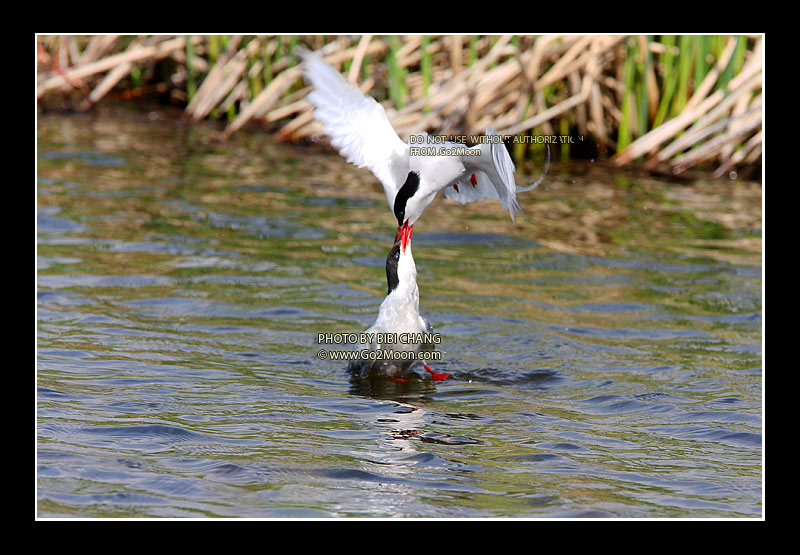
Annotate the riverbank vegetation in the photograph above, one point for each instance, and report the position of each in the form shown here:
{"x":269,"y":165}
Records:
{"x":666,"y":102}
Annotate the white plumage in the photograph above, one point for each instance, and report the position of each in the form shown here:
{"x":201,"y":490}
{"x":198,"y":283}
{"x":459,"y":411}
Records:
{"x":398,"y":314}
{"x":361,"y":132}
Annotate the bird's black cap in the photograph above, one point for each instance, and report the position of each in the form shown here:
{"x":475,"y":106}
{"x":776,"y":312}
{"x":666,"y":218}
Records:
{"x":391,"y":267}
{"x":406,"y":192}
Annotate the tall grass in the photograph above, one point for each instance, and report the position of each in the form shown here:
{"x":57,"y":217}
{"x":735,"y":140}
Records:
{"x":397,"y":74}
{"x":629,"y":92}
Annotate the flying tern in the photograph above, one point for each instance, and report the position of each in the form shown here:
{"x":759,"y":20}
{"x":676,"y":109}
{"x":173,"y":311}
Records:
{"x":412,"y":173}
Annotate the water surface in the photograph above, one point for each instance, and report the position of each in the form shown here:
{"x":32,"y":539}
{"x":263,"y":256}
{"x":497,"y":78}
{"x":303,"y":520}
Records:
{"x":605,"y":348}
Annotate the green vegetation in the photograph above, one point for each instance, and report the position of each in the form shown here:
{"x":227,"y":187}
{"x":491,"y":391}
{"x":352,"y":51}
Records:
{"x":671,"y":101}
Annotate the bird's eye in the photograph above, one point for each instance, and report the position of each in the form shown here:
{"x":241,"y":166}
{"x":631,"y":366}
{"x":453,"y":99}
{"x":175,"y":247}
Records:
{"x":397,"y":255}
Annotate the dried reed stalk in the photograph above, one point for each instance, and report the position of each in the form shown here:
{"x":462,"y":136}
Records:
{"x":155,"y":52}
{"x":458,"y":84}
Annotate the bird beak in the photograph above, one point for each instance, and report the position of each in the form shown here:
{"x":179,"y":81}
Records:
{"x":405,"y":234}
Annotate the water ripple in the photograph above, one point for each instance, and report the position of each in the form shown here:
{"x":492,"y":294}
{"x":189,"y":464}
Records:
{"x":181,"y":285}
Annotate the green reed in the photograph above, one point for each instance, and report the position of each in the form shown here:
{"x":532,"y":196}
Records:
{"x":681,"y":65}
{"x":191,"y":78}
{"x":658,"y":73}
{"x":425,"y":69}
{"x":397,"y":87}
{"x":624,"y":135}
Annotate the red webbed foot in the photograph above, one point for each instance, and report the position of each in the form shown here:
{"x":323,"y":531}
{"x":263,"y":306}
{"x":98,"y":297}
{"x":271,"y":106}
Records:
{"x":437,"y":377}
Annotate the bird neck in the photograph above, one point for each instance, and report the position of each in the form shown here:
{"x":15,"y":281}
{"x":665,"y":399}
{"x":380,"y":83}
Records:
{"x":406,"y":293}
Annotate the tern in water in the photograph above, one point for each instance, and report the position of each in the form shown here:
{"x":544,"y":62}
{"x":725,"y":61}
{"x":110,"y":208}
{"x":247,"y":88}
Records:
{"x":411,"y":177}
{"x":398,"y":314}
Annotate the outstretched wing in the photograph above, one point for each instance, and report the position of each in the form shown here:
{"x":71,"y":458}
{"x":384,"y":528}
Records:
{"x":467,"y":192}
{"x":502,"y":187}
{"x":356,"y":123}
{"x":507,"y":188}
{"x":493,"y":178}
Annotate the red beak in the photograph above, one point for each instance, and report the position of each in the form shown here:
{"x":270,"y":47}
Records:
{"x":405,"y":234}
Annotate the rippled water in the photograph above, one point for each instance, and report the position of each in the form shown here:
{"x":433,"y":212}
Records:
{"x":605,"y":349}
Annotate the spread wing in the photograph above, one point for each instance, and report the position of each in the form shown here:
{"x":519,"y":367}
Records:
{"x":507,"y":188}
{"x":467,"y":192}
{"x":502,"y":187}
{"x":357,"y":124}
{"x":498,"y":183}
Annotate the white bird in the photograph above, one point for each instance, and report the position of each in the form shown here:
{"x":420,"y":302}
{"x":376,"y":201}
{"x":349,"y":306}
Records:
{"x":398,"y":314}
{"x":411,"y":176}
